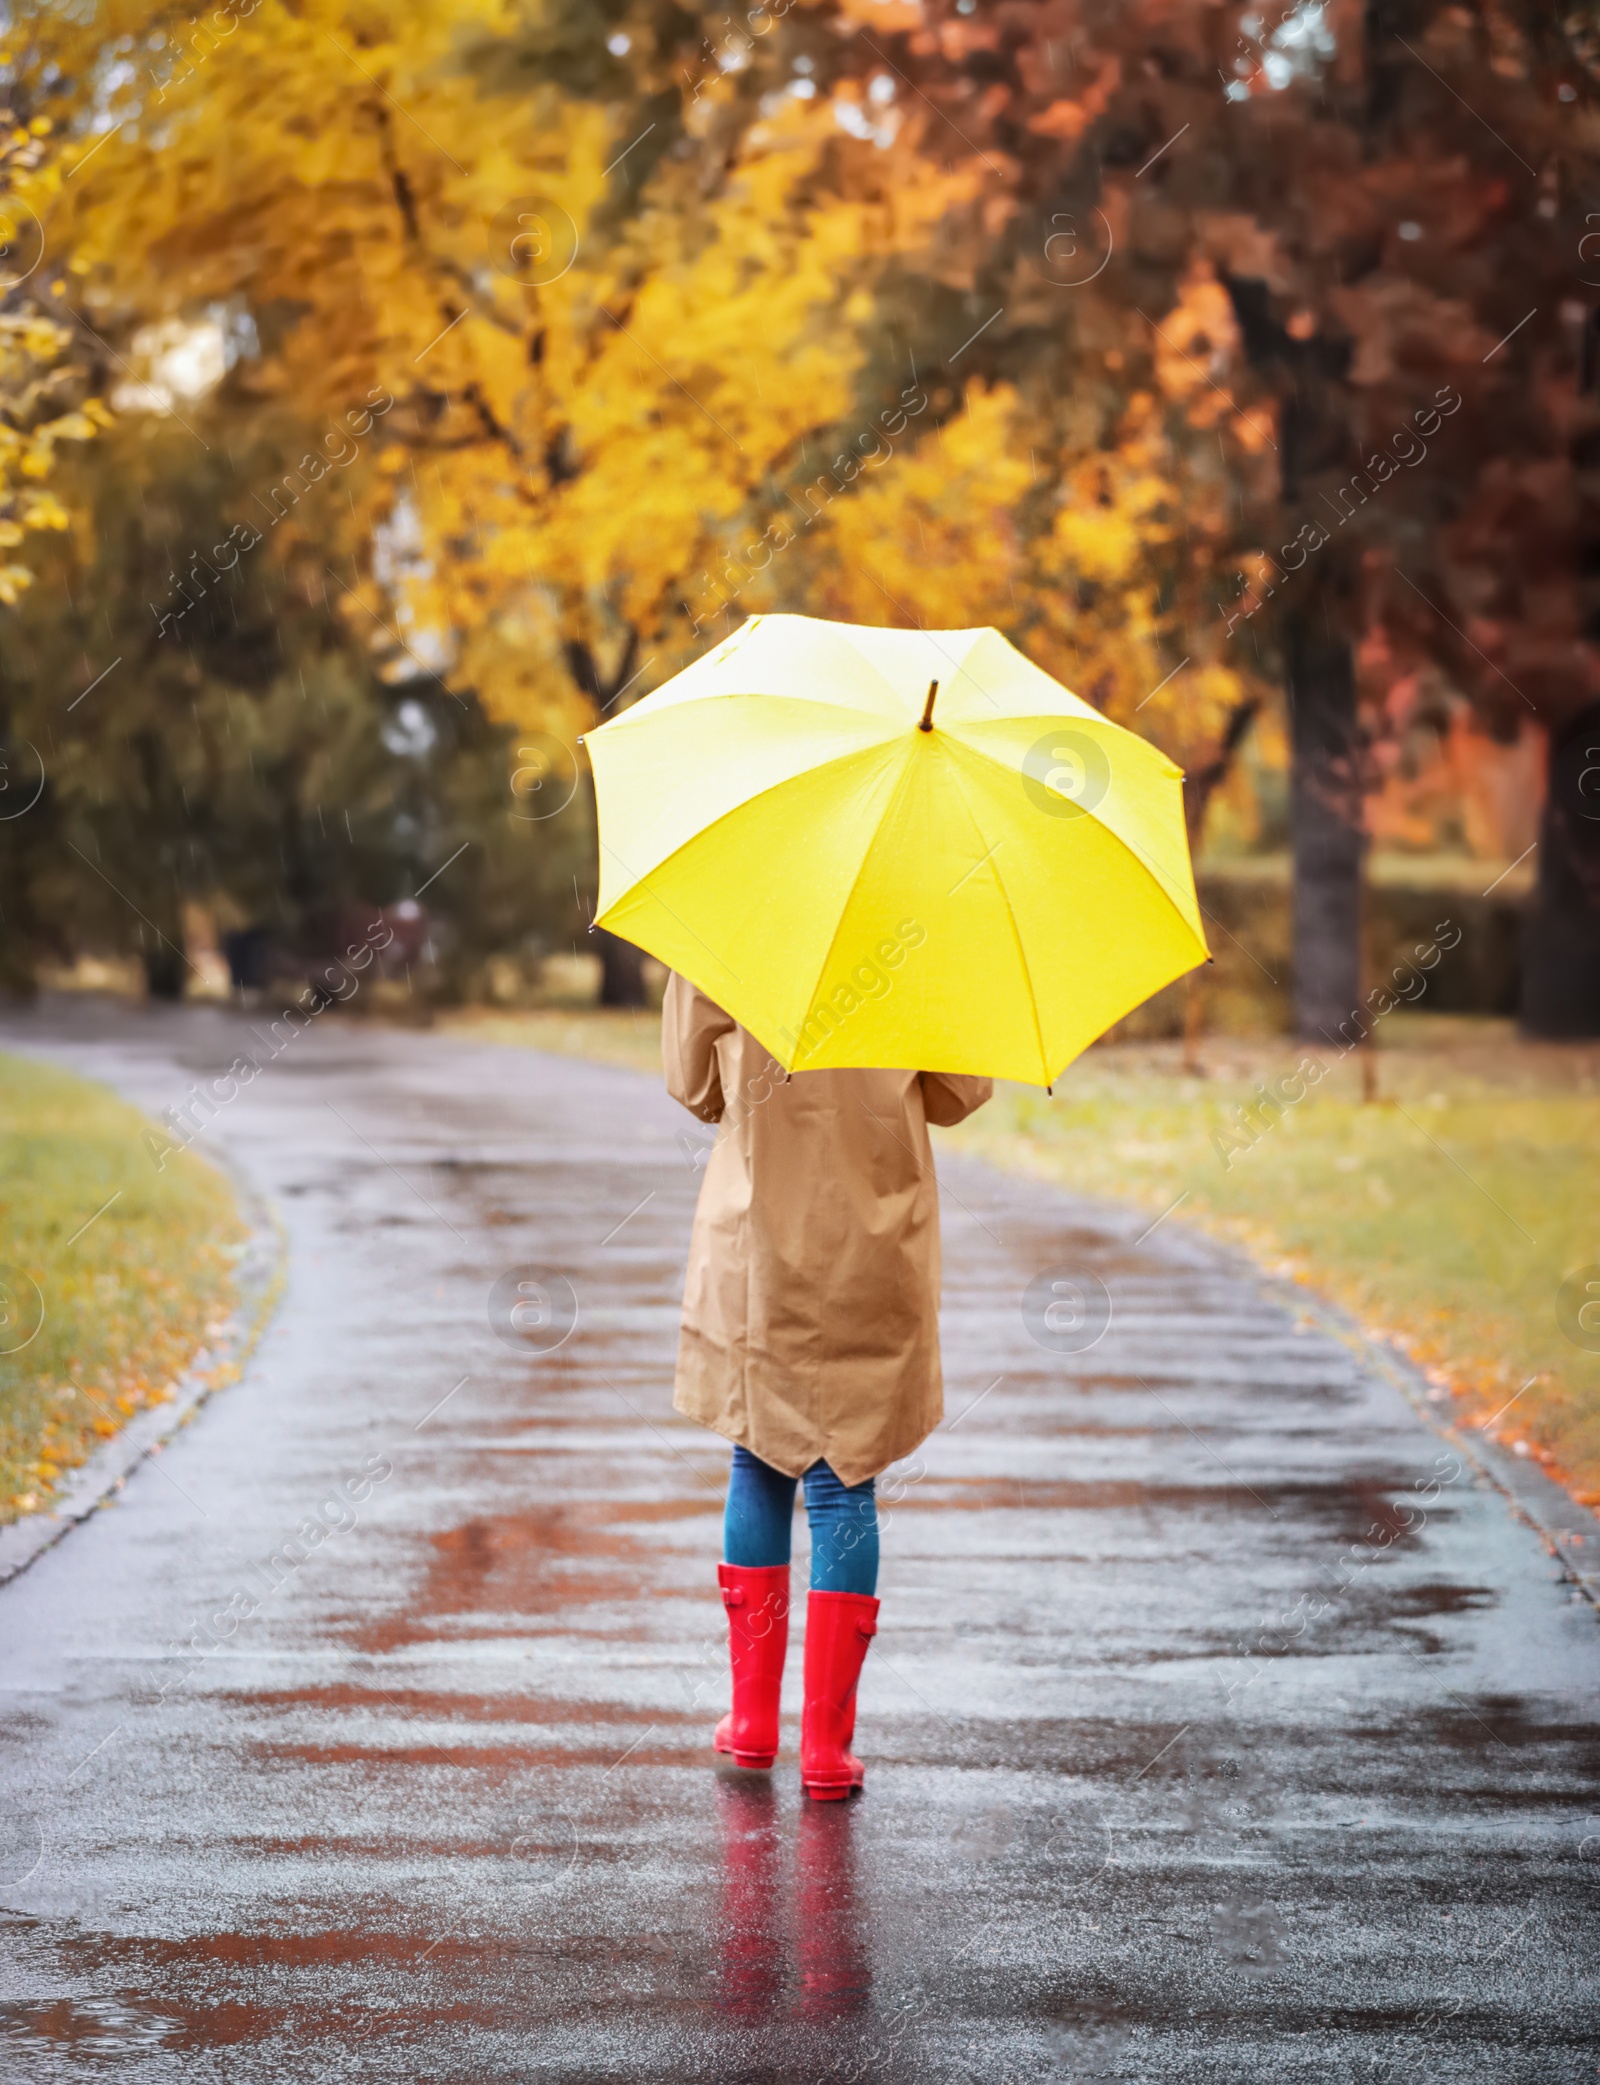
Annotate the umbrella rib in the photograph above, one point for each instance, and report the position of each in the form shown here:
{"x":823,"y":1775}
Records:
{"x":1149,"y":869}
{"x":1110,"y":831}
{"x":855,"y":885}
{"x":641,"y":877}
{"x":1016,"y":931}
{"x":643,"y":883}
{"x":1121,"y":840}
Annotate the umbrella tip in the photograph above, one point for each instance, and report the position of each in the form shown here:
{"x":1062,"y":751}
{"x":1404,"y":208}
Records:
{"x":927,"y":714}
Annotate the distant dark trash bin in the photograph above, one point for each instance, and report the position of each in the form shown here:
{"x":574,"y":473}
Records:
{"x":248,"y":950}
{"x":163,"y":972}
{"x":621,"y":970}
{"x":1561,"y":947}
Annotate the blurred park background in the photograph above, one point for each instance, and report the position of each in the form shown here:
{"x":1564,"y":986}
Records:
{"x":388,"y":394}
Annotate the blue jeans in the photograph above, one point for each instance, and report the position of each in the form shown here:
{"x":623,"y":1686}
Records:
{"x":844,"y":1524}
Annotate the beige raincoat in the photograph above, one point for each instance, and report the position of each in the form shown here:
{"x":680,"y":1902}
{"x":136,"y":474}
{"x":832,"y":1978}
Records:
{"x":811,"y":1306}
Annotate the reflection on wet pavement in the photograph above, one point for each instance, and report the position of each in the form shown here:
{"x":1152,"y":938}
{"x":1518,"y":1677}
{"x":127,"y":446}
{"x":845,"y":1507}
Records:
{"x":752,"y":1968}
{"x":1220,"y":1726}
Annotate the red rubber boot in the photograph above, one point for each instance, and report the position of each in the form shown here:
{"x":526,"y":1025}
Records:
{"x":839,"y":1626}
{"x":757,"y":1599}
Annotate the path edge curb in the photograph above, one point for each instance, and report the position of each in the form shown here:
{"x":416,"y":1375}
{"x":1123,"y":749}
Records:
{"x":260,"y":1277}
{"x":1569,"y":1530}
{"x":1534,"y":1498}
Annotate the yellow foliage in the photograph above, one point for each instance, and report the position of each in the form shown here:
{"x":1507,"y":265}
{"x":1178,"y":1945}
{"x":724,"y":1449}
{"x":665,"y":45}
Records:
{"x":589,"y":423}
{"x":34,"y":363}
{"x":563,"y":453}
{"x":929,"y":537}
{"x":1000,"y":518}
{"x":1195,"y":344}
{"x":37,"y":363}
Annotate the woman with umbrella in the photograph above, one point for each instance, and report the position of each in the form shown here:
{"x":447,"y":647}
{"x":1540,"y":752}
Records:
{"x":810,"y":1340}
{"x":885,"y":867}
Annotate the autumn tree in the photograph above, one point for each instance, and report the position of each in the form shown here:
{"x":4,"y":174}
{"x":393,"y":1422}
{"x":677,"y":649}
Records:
{"x":1174,"y":338}
{"x":246,"y":756}
{"x":47,"y":399}
{"x":1390,"y":198}
{"x":532,"y":309}
{"x":611,"y":288}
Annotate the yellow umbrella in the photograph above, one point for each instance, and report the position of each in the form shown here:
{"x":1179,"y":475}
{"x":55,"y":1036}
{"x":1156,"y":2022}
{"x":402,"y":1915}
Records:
{"x":900,"y":848}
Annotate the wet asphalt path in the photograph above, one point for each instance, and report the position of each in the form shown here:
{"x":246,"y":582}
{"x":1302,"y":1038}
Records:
{"x":430,"y":1796}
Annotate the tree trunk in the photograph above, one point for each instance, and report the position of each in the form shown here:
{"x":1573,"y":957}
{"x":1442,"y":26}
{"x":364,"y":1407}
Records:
{"x":621,"y":970}
{"x":1200,"y":784}
{"x":1325,"y":810}
{"x":28,"y":842}
{"x":1561,"y":944}
{"x":1318,"y":446}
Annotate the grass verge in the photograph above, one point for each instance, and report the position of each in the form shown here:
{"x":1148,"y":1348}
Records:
{"x":111,"y":1273}
{"x":607,"y":1035}
{"x":1445,"y":1214}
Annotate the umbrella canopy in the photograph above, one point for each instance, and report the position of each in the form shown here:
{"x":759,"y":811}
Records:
{"x":898,"y":848}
